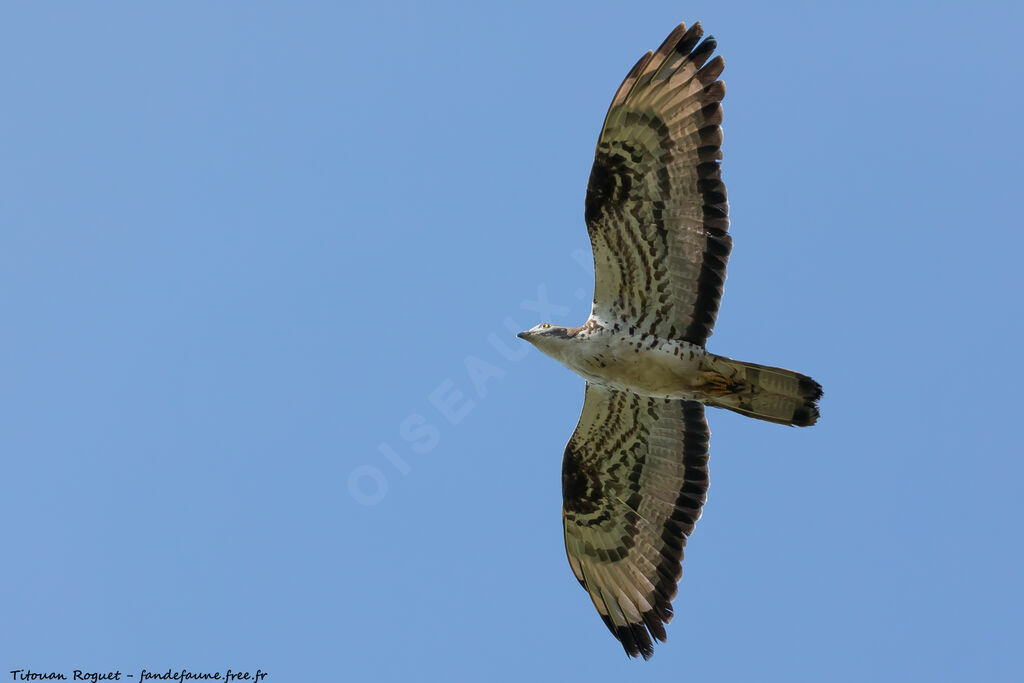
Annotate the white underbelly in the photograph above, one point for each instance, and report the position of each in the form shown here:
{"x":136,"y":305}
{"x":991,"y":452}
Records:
{"x":668,"y":370}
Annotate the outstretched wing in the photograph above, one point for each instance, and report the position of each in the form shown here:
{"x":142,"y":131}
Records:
{"x":656,"y":208}
{"x":634,"y":478}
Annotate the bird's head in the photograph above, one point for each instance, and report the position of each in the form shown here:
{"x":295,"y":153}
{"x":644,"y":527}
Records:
{"x":545,"y":336}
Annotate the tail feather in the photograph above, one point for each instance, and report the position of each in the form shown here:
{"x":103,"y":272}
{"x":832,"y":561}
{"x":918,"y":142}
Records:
{"x":766,"y":393}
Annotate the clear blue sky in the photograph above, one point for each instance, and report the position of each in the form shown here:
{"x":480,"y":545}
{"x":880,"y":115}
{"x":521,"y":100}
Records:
{"x":262,"y":406}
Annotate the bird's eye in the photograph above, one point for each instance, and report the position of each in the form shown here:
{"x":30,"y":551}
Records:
{"x":546,"y":326}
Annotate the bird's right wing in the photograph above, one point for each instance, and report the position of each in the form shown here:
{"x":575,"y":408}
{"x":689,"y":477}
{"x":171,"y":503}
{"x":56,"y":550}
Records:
{"x":634,"y":478}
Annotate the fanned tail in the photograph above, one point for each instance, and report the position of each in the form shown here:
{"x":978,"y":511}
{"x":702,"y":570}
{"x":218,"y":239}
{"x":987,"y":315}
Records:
{"x":763,"y":392}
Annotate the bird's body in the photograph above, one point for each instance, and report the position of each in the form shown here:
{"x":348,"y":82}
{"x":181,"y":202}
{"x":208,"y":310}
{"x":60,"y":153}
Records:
{"x":644,"y":364}
{"x":675,"y":369}
{"x":634,"y":473}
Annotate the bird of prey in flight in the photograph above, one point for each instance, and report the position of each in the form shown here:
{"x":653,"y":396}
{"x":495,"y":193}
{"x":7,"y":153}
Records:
{"x":635,"y":471}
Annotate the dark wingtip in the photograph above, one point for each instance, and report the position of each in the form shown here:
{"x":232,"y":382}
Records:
{"x":690,"y":39}
{"x":654,"y":624}
{"x":635,"y":640}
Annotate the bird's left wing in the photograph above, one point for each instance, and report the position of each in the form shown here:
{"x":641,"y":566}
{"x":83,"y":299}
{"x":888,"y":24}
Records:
{"x":634,"y":479}
{"x":656,"y":205}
